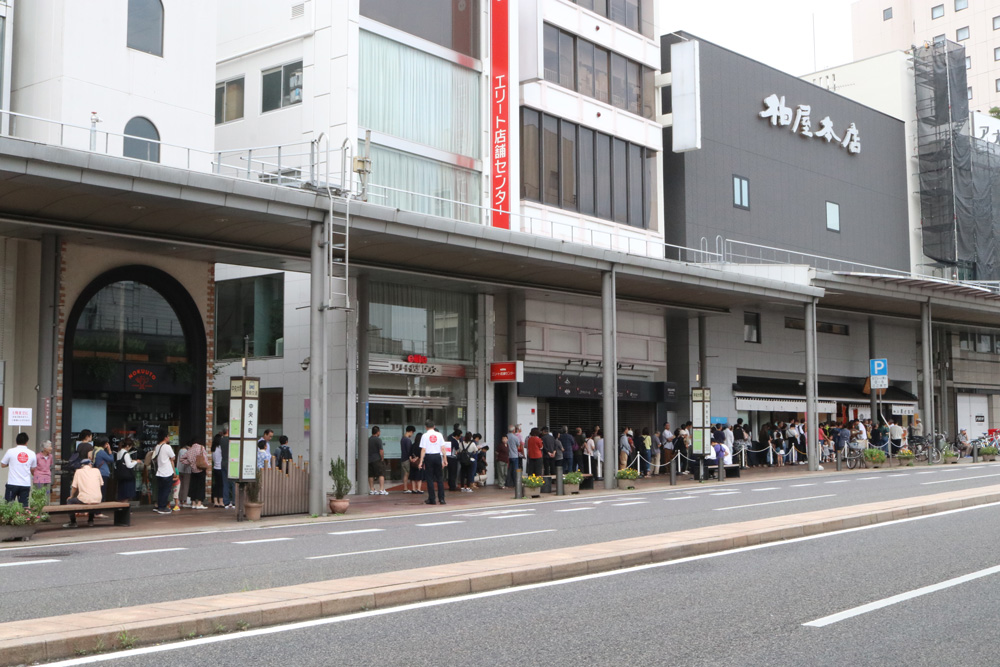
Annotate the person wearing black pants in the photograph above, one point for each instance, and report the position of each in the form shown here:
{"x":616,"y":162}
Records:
{"x":432,"y":463}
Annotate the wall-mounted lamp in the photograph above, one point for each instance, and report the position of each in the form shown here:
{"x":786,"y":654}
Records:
{"x":305,"y":364}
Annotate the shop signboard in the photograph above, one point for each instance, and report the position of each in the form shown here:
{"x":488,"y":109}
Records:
{"x":701,"y":419}
{"x":507,"y":371}
{"x":19,"y":416}
{"x":502,"y":96}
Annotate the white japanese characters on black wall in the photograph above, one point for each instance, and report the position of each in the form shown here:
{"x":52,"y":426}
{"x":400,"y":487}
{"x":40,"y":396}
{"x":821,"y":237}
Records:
{"x":800,"y":120}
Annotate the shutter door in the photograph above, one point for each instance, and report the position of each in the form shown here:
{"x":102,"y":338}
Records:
{"x":587,"y":414}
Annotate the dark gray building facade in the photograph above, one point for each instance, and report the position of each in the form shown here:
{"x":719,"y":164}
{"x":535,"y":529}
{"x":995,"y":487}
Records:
{"x":770,"y":172}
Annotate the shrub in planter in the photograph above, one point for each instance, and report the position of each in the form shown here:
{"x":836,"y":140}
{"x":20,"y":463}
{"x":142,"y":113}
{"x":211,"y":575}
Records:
{"x":341,"y":486}
{"x":875,"y":456}
{"x":627,"y":473}
{"x":573,"y":478}
{"x":532,"y":482}
{"x":989,"y":452}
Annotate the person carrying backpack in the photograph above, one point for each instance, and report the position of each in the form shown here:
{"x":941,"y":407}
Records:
{"x":284,"y":453}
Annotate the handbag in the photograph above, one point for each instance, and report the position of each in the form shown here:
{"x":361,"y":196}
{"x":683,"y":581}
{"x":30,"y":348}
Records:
{"x":200,"y":461}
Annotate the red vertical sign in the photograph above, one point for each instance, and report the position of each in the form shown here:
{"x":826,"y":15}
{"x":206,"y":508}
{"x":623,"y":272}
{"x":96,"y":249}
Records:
{"x":501,"y":92}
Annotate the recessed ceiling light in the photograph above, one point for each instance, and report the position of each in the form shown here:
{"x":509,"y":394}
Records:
{"x":137,"y":207}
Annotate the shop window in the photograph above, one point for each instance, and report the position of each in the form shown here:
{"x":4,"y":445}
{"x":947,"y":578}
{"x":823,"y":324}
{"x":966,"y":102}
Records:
{"x":833,"y":216}
{"x":887,"y":13}
{"x":453,"y":25}
{"x":741,"y":192}
{"x":145,"y":26}
{"x":141,"y":141}
{"x":253,"y":307}
{"x":281,"y":86}
{"x":229,"y":100}
{"x":405,"y":320}
{"x":937,"y":11}
{"x":751,"y":327}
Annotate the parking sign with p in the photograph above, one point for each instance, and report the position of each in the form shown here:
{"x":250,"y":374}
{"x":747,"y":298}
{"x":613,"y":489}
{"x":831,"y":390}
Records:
{"x":878,"y":367}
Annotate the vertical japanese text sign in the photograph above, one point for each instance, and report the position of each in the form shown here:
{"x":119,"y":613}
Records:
{"x":501,"y":97}
{"x":244,"y":398}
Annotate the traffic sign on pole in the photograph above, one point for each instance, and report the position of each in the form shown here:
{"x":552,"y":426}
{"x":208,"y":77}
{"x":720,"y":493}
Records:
{"x":878,"y":367}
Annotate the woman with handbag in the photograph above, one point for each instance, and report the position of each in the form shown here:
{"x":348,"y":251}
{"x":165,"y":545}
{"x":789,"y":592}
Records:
{"x":197,"y":458}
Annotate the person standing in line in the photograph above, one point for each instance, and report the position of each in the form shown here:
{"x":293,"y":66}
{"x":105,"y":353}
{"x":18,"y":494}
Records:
{"x":514,"y":451}
{"x":221,"y":442}
{"x":21,"y":462}
{"x":579,"y":458}
{"x":405,"y":445}
{"x":730,"y":439}
{"x":667,"y":445}
{"x":895,"y":436}
{"x":125,"y":472}
{"x":217,"y":477}
{"x":283,"y":457}
{"x":184,"y":472}
{"x":624,"y":448}
{"x":466,"y":461}
{"x":589,"y":454}
{"x":104,"y":462}
{"x":654,"y":454}
{"x":376,"y":464}
{"x":41,"y":476}
{"x":503,"y":462}
{"x":197,"y":461}
{"x":416,"y":474}
{"x":163,"y":456}
{"x":549,"y":452}
{"x":568,"y":443}
{"x":599,"y":450}
{"x":643,"y":451}
{"x":536,"y":451}
{"x":682,"y":440}
{"x":432,"y":462}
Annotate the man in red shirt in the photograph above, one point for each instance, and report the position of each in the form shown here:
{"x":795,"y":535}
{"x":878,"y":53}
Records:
{"x":534,"y":453}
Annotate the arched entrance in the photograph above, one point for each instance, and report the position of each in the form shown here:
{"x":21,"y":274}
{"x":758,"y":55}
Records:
{"x":135,"y":360}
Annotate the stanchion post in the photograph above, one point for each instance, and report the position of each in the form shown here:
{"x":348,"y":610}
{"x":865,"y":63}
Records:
{"x":559,"y":480}
{"x":673,"y":469}
{"x":518,"y":491}
{"x":722,"y":469}
{"x":839,"y":455}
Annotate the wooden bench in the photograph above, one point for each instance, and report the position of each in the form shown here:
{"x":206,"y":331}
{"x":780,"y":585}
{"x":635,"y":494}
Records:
{"x":123,"y":511}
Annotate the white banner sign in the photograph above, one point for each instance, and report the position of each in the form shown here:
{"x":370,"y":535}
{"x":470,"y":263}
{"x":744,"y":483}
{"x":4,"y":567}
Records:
{"x":19,"y":416}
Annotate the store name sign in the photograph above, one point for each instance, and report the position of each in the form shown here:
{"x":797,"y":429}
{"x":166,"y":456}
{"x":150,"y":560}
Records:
{"x":507,"y":371}
{"x":799,"y":121}
{"x":142,"y":379}
{"x":414,"y":369}
{"x":500,"y":103}
{"x":416,"y":359}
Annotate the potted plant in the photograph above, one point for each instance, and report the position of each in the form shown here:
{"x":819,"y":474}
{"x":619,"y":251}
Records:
{"x":135,"y":350}
{"x":874,"y":457}
{"x":534,"y":484}
{"x":176,"y":352}
{"x":949,"y":455}
{"x":18,"y":522}
{"x":905,"y":457}
{"x":989,"y":453}
{"x":571,"y":482}
{"x":341,"y":486}
{"x":627,"y":478}
{"x":253,"y":505}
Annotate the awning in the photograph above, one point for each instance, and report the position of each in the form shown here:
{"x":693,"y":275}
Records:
{"x":782,"y":395}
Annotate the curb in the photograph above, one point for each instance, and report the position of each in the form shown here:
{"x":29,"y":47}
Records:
{"x":116,"y":629}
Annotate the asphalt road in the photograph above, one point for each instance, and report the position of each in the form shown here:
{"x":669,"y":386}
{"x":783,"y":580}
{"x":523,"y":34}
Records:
{"x":799,"y":602}
{"x":70,"y":578}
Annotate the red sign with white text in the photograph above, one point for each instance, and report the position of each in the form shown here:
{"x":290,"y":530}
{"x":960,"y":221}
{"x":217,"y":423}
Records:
{"x":501,"y":93}
{"x":507,"y":371}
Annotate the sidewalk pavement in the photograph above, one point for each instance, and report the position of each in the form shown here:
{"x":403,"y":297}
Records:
{"x":146,"y":523}
{"x":65,"y":636}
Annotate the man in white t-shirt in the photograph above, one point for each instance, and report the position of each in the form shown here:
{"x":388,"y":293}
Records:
{"x":433,"y":461}
{"x":21,"y":462}
{"x":164,"y":457}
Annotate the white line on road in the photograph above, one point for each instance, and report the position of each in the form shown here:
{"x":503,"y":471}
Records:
{"x":837,"y":481}
{"x":773,"y":502}
{"x":497,"y":512}
{"x":576,"y":509}
{"x":511,"y":516}
{"x":30,"y":562}
{"x":360,"y":530}
{"x":902,"y":597}
{"x":636,"y":502}
{"x":680,"y":498}
{"x":270,"y":539}
{"x":798,"y":485}
{"x":959,"y":479}
{"x":766,"y":488}
{"x":928,"y":472}
{"x":438,"y":523}
{"x":430,"y":544}
{"x":725,"y":493}
{"x":151,"y":551}
{"x":331,"y":620}
{"x":864,"y":478}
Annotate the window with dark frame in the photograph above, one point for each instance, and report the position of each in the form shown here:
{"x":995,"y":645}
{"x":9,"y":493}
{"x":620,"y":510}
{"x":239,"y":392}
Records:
{"x":887,"y":13}
{"x":834,"y":328}
{"x":145,"y":26}
{"x":580,"y":169}
{"x":996,"y":22}
{"x":939,"y":40}
{"x":751,"y":327}
{"x":937,"y":11}
{"x":832,"y":216}
{"x":961,"y":4}
{"x":741,"y":192}
{"x":281,"y":86}
{"x":626,"y":13}
{"x":141,"y":140}
{"x":229,"y":100}
{"x":962,"y":34}
{"x":251,"y":307}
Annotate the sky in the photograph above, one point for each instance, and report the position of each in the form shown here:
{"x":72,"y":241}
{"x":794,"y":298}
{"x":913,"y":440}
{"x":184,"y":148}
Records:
{"x":777,"y":32}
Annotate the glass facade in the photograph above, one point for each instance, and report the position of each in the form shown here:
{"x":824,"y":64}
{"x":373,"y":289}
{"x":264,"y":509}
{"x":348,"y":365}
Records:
{"x":413,"y":183}
{"x":453,"y":24}
{"x":253,"y":307}
{"x":406,"y":320}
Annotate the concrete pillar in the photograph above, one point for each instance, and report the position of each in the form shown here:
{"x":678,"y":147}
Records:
{"x":873,"y":396}
{"x":702,"y":351}
{"x":927,"y":392}
{"x":317,"y":367}
{"x":363,"y":427}
{"x":812,"y":442}
{"x":609,"y":336}
{"x":944,"y":354}
{"x":48,"y":321}
{"x":515,"y":303}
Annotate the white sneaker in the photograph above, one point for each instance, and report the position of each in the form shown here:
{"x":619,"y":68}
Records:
{"x":373,"y":492}
{"x":819,"y":467}
{"x":383,"y":492}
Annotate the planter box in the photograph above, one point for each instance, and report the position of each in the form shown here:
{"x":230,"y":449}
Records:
{"x":23,"y":533}
{"x":570,"y":489}
{"x":628,"y":484}
{"x":533,"y":492}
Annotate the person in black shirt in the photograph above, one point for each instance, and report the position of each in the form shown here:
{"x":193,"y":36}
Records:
{"x":405,"y":447}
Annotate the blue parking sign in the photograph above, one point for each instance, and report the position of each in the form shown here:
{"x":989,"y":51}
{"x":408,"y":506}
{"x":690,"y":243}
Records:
{"x":878,"y":367}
